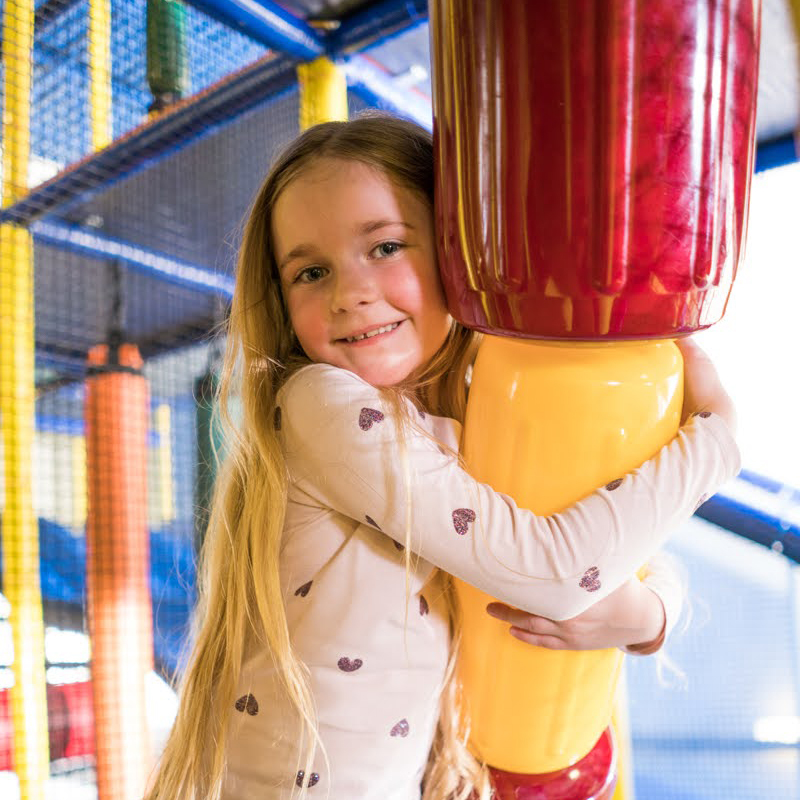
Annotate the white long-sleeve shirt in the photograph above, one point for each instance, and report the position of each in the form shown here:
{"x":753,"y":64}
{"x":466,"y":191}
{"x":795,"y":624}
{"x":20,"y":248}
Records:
{"x":376,"y":646}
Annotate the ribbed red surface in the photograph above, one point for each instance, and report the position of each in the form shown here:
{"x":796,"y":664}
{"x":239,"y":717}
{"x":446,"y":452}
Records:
{"x":593,"y":162}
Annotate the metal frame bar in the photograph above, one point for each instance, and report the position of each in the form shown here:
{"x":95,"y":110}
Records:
{"x":268,"y":23}
{"x":753,"y":524}
{"x":778,"y":152}
{"x":149,"y":262}
{"x":377,"y":24}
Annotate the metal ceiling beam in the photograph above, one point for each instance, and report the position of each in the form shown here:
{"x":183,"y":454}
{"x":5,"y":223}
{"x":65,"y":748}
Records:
{"x":268,"y":23}
{"x":376,"y":25}
{"x":93,"y":244}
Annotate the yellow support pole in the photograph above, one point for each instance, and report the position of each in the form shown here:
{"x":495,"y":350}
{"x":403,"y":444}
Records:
{"x":20,"y":531}
{"x":165,"y":490}
{"x":323,"y":92}
{"x":79,"y":491}
{"x":100,"y":72}
{"x":794,"y":8}
{"x":621,"y":722}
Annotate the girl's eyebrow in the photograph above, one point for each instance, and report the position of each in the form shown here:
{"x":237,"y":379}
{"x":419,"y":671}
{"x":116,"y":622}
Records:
{"x":374,"y":225}
{"x":301,"y":251}
{"x":306,"y":250}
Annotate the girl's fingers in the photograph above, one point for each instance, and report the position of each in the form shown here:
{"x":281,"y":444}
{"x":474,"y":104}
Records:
{"x":522,"y":620}
{"x":550,"y":642}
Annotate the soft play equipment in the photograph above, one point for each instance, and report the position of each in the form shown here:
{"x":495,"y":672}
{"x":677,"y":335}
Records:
{"x":592,"y":189}
{"x":117,"y":565}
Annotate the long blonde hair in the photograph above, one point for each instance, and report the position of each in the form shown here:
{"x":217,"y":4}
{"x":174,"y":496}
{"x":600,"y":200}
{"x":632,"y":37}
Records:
{"x":238,"y":585}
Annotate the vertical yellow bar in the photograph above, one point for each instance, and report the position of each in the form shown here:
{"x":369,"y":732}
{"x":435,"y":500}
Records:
{"x":78,"y":516}
{"x":163,"y":426}
{"x":622,"y":731}
{"x":100,"y":72}
{"x":20,"y":533}
{"x":17,"y":48}
{"x":323,"y":92}
{"x":794,"y":7}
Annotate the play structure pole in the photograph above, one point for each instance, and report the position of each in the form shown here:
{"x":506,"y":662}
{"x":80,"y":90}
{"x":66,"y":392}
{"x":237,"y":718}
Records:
{"x":117,"y":567}
{"x":100,"y":72}
{"x":20,"y":537}
{"x":164,"y":508}
{"x":209,"y":451}
{"x":167,"y":59}
{"x":586,"y":216}
{"x":323,"y":92}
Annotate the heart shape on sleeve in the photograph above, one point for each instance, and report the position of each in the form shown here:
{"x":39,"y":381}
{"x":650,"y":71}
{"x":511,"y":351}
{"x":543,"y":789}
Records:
{"x":462,"y":517}
{"x":367,"y":417}
{"x":346,"y":665}
{"x":400,"y":729}
{"x":591,"y":580}
{"x":247,"y":703}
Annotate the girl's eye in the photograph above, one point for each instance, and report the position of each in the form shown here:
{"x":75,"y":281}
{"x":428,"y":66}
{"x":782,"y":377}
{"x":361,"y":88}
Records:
{"x":310,"y":275}
{"x":385,"y":249}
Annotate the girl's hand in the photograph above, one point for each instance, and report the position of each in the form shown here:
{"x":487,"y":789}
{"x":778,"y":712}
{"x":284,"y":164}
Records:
{"x":703,"y":390}
{"x":630,"y":615}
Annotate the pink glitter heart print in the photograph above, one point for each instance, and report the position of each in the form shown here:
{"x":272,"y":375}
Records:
{"x":247,"y":703}
{"x":346,"y":665}
{"x":401,"y":729}
{"x":367,"y":417}
{"x":461,"y":520}
{"x":591,"y":580}
{"x":313,"y":779}
{"x":423,"y":606}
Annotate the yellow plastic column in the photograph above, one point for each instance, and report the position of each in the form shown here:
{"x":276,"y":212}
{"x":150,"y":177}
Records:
{"x":794,"y":7}
{"x":19,"y":530}
{"x":621,"y":722}
{"x":100,"y":71}
{"x":163,"y":508}
{"x":323,"y":93}
{"x":547,"y":423}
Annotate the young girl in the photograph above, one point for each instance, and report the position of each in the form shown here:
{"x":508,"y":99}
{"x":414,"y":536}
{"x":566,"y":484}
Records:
{"x":323,"y":661}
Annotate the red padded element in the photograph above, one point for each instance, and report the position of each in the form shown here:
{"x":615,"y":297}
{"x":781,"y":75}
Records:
{"x":592,"y":778}
{"x":593,"y":162}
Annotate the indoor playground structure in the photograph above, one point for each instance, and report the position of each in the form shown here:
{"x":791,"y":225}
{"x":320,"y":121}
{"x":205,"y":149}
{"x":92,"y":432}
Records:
{"x":134,"y":136}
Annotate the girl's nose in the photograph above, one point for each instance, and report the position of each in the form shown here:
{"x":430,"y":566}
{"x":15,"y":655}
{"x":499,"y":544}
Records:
{"x":353,"y":287}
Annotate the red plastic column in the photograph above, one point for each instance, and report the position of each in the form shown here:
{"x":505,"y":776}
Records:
{"x":118,"y":563}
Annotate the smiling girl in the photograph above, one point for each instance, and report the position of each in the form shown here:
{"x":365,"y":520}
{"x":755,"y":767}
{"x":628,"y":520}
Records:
{"x":327,"y":630}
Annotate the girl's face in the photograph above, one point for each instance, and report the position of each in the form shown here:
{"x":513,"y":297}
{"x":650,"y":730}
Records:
{"x":357,"y":264}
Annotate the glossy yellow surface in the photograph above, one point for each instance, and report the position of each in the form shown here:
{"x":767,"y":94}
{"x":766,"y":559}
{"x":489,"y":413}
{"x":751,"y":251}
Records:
{"x":20,"y":535}
{"x":323,"y":92}
{"x":100,"y":71}
{"x":547,"y":423}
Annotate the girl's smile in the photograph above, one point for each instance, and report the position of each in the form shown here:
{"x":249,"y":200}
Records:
{"x":357,"y":263}
{"x":372,"y":334}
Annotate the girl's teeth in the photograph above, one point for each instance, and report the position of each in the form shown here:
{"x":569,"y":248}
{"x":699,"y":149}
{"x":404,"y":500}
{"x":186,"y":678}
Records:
{"x":384,"y":329}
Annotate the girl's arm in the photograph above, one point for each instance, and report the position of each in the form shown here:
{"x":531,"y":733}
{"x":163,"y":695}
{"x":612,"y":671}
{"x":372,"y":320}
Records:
{"x":346,"y":451}
{"x":637,"y":616}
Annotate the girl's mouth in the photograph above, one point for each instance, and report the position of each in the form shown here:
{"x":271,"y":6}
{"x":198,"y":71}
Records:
{"x":375,"y":333}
